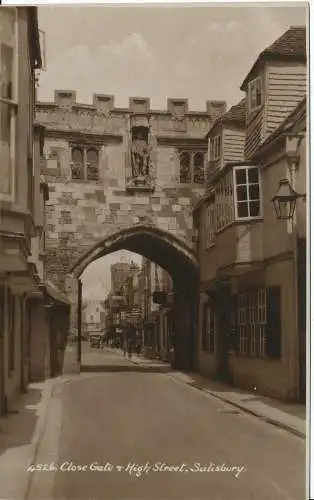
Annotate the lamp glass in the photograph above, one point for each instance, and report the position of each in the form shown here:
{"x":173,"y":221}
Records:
{"x":285,"y":200}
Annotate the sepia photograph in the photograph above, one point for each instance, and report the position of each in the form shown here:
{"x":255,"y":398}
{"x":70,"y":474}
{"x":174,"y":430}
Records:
{"x":154,"y":275}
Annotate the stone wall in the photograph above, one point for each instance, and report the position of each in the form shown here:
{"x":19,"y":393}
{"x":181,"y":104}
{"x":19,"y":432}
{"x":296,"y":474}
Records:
{"x":81,"y":213}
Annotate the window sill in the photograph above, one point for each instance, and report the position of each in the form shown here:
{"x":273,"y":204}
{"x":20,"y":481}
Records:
{"x":252,"y":114}
{"x":249,"y":220}
{"x":238,"y":222}
{"x":254,"y":110}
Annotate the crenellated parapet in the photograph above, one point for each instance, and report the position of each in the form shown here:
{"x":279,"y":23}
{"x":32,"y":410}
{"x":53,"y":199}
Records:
{"x":141,"y":105}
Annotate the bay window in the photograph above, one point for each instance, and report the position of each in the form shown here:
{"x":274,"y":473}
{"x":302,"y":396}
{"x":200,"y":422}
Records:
{"x":8,"y":100}
{"x":224,"y":202}
{"x":247,"y":192}
{"x":215,"y":147}
{"x":255,"y":94}
{"x":210,"y":224}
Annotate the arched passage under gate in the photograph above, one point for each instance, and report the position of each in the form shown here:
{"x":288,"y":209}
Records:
{"x":175,"y":256}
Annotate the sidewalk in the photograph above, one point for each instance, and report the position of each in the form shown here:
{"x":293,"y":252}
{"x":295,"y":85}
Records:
{"x":20,"y":434}
{"x":291,"y":417}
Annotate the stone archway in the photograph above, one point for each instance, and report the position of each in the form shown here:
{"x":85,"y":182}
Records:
{"x":170,"y":253}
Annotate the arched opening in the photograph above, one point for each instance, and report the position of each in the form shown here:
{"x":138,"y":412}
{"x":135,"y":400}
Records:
{"x":178,"y":260}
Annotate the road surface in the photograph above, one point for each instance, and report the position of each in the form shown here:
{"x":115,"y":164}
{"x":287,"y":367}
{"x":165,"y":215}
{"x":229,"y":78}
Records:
{"x":124,"y":434}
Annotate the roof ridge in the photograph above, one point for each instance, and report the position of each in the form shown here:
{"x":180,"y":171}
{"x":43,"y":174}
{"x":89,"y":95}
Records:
{"x":291,"y":44}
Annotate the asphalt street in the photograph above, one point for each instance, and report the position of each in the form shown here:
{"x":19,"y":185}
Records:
{"x":124,"y":433}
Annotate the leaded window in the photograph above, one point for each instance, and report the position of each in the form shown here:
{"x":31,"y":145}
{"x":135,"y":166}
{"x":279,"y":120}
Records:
{"x":192,"y":168}
{"x":85,"y":163}
{"x":224,"y":202}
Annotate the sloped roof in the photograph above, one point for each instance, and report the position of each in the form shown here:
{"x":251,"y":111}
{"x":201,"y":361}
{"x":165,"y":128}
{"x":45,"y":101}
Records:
{"x":292,"y":44}
{"x":235,"y":114}
{"x":296,"y":116}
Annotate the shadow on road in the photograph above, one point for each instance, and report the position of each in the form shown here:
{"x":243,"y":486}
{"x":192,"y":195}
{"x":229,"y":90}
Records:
{"x":18,"y":427}
{"x":120,"y":368}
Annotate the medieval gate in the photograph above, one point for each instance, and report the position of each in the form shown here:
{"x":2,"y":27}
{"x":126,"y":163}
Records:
{"x":124,"y":178}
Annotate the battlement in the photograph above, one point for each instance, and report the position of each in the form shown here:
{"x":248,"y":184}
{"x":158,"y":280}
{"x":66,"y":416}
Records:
{"x":137,"y":105}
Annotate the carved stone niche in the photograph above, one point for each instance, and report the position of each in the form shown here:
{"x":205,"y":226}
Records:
{"x":140,"y":159}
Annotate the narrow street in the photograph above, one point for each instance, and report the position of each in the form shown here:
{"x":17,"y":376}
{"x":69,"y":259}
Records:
{"x":124,"y":418}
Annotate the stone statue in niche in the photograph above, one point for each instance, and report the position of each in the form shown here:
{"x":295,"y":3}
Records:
{"x":140,"y":154}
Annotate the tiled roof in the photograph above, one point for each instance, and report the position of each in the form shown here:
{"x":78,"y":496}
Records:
{"x":295,"y":116}
{"x":292,"y":44}
{"x":236,"y":114}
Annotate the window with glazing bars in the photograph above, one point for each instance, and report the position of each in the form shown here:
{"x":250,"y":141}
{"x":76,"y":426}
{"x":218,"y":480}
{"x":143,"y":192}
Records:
{"x":192,"y":168}
{"x":85,"y":163}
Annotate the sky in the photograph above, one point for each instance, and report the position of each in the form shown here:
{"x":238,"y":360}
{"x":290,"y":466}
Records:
{"x":197,"y":52}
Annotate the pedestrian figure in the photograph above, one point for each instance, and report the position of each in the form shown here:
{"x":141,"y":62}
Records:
{"x":130,"y":348}
{"x":124,"y":345}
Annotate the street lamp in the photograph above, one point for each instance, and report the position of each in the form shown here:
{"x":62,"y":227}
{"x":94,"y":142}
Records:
{"x":284,"y":204}
{"x":285,"y":200}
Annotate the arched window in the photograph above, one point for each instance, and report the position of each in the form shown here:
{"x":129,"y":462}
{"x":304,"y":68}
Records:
{"x":198,"y":168}
{"x":92,"y":164}
{"x":185,"y":168}
{"x":77,"y":163}
{"x":77,"y":155}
